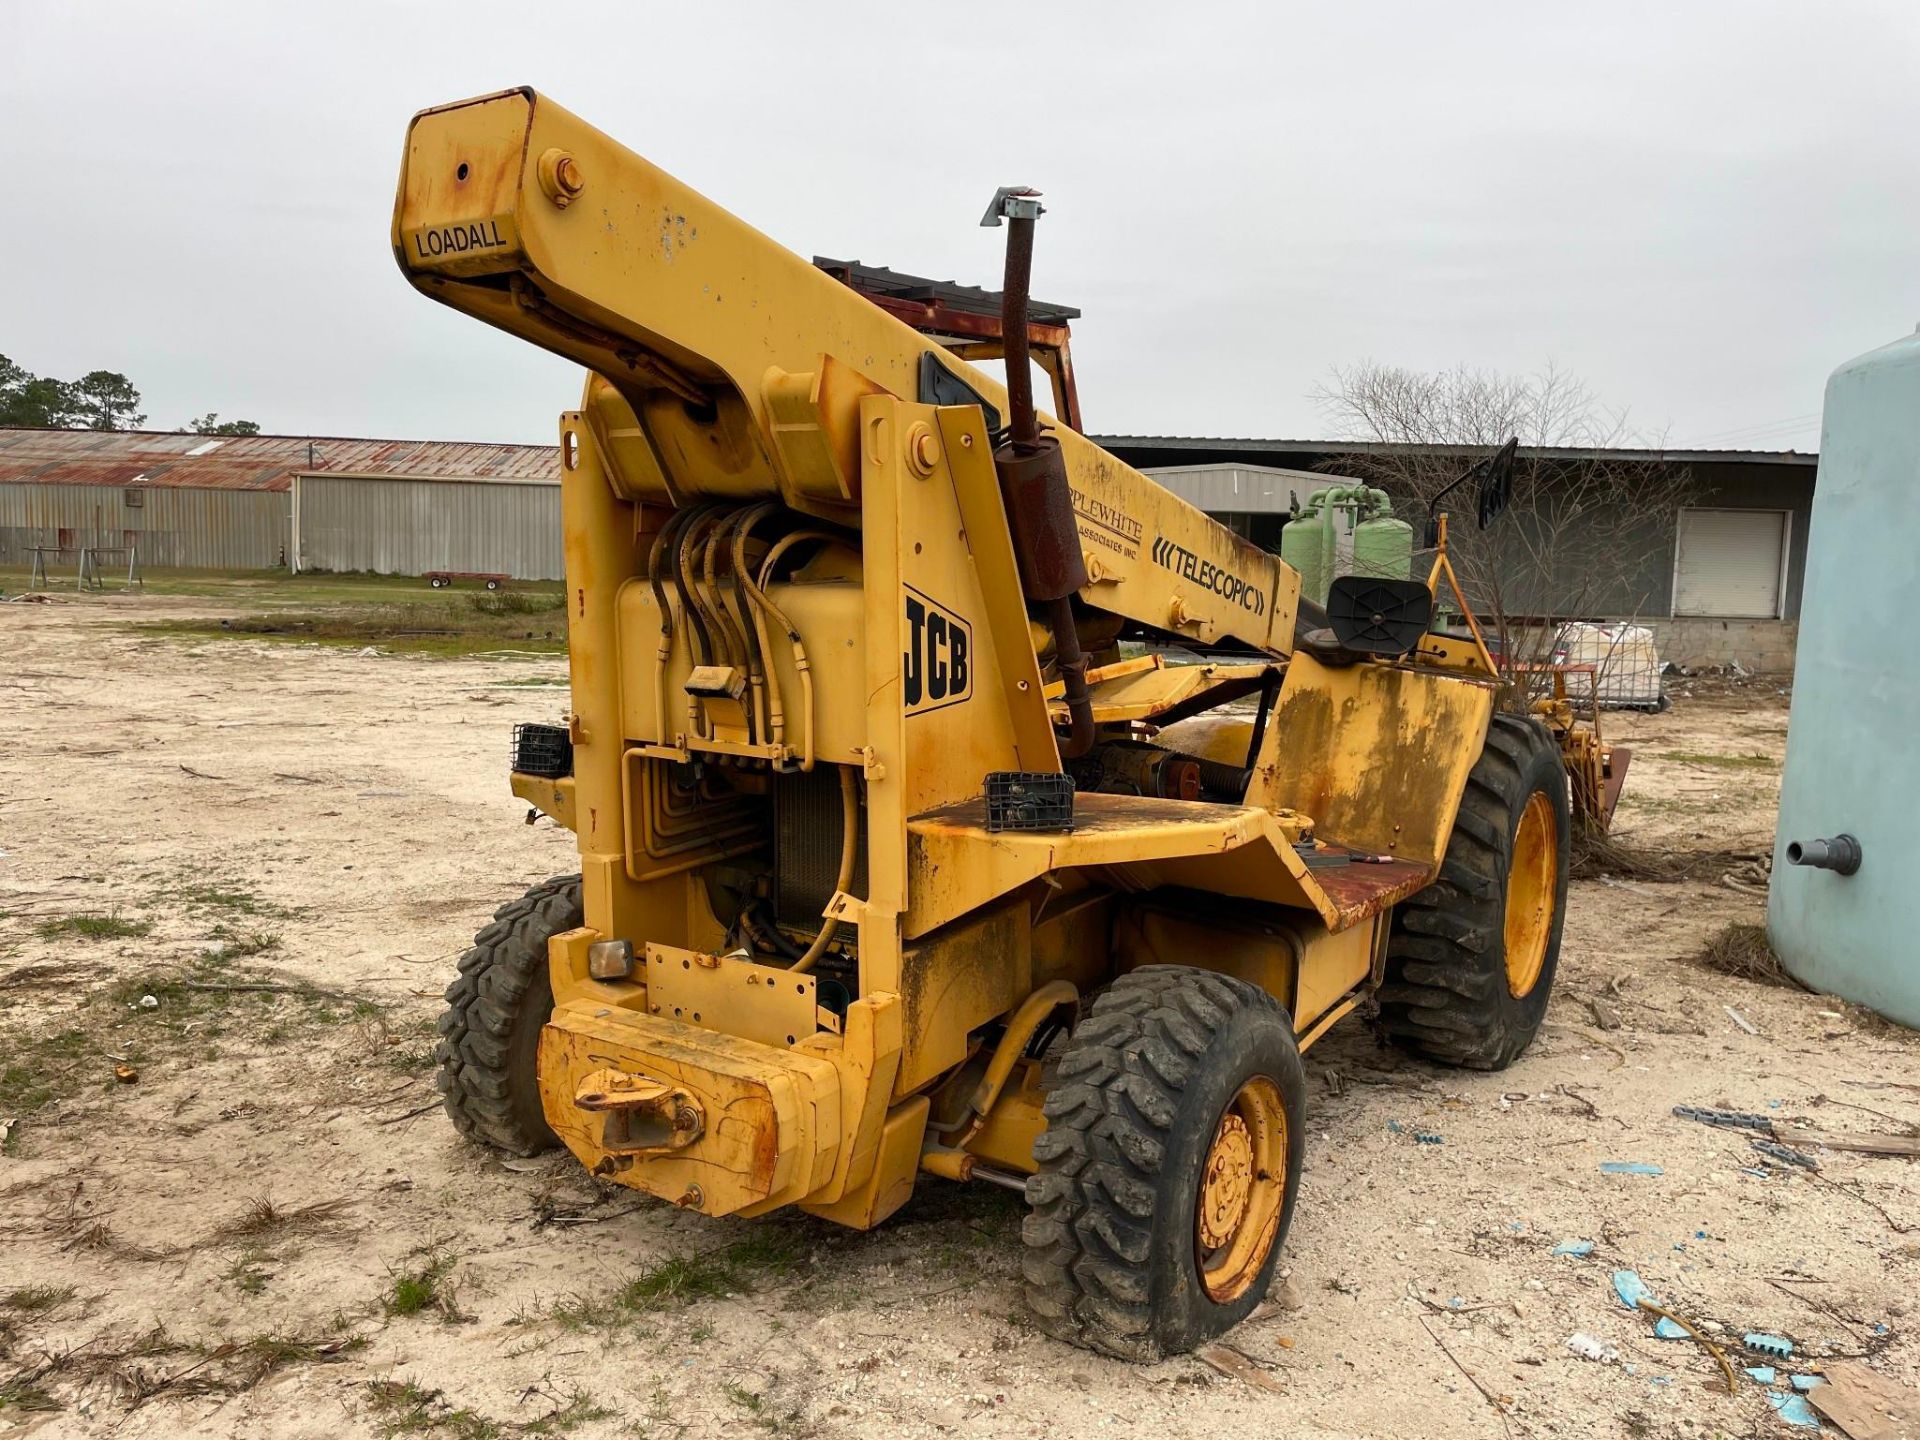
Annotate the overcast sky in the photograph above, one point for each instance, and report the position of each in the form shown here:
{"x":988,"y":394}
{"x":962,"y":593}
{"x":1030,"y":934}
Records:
{"x":1700,"y":209}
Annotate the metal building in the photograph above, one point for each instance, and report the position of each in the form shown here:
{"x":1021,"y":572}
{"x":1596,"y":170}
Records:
{"x":255,"y":502}
{"x":1720,"y":584}
{"x":178,"y":498}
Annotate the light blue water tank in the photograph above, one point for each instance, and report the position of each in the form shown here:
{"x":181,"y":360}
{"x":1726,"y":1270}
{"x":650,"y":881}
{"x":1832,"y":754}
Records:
{"x":1853,"y":759}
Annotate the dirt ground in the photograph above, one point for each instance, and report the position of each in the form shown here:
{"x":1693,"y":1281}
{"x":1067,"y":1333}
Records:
{"x":269,"y":1230}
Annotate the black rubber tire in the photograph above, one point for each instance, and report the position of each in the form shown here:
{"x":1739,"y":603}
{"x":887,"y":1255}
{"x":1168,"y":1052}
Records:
{"x":1445,"y":996}
{"x":1110,"y":1261}
{"x":490,"y":1033}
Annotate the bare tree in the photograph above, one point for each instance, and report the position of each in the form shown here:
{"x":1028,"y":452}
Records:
{"x":1589,"y":529}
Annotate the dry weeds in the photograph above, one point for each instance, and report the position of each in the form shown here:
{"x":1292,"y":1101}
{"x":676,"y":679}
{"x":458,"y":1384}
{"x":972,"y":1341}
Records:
{"x":1741,"y":949}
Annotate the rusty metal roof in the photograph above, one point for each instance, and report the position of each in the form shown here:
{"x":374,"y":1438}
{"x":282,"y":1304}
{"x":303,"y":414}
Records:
{"x":256,"y":462}
{"x":969,"y":299}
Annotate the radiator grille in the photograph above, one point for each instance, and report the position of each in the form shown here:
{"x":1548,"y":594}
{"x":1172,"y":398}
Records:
{"x":807,"y":845}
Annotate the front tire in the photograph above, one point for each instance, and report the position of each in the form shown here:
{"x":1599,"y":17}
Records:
{"x":1472,"y":958}
{"x":1169,"y":1166}
{"x":490,"y":1032}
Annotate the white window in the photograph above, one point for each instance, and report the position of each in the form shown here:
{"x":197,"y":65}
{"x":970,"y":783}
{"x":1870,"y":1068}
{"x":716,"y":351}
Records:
{"x":1731,"y":563}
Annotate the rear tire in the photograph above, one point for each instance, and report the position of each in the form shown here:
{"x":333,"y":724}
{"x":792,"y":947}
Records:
{"x":1169,"y":1165}
{"x":1471,"y":959}
{"x":490,"y":1033}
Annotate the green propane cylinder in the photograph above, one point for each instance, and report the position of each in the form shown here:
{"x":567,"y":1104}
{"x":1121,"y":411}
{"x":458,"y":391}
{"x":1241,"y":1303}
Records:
{"x":1346,"y":530}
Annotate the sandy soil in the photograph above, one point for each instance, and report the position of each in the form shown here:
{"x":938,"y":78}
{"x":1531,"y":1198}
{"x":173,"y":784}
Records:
{"x":349,"y":822}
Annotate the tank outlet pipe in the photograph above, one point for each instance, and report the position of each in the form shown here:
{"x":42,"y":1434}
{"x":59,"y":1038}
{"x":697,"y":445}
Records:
{"x":1033,"y":474}
{"x":1841,"y":854}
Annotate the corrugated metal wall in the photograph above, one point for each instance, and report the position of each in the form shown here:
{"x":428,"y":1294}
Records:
{"x":407,"y":527}
{"x":1242,"y":489}
{"x":218,"y":529}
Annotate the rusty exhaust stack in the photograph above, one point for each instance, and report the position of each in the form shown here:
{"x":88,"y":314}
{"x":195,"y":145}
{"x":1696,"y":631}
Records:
{"x":1033,"y":474}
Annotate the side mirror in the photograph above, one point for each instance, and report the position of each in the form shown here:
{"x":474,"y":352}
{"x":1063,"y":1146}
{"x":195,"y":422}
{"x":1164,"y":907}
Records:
{"x":1496,"y":489}
{"x":1496,"y":485}
{"x":1376,"y":616}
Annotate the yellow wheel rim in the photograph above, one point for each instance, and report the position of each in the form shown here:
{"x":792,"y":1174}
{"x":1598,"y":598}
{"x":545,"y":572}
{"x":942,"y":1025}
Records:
{"x":1243,"y":1181}
{"x":1530,"y":893}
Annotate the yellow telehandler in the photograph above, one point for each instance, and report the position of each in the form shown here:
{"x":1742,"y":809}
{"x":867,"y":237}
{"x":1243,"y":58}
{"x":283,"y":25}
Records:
{"x":847,"y":620}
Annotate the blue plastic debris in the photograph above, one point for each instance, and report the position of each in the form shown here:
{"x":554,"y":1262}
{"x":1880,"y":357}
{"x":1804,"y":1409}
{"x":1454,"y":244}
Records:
{"x":1457,"y":1302}
{"x":1804,"y":1383}
{"x":1427,"y":1137}
{"x":1629,"y":1167}
{"x":1631,"y":1289}
{"x":1794,"y":1410}
{"x":1763,"y":1373}
{"x":1669,"y":1330}
{"x":1777,"y":1346}
{"x":1775,"y":1104}
{"x":1578,"y":1249}
{"x":1394,"y":1127}
{"x":1759,"y":1172}
{"x":1699,"y":1234}
{"x":1879,"y":1328}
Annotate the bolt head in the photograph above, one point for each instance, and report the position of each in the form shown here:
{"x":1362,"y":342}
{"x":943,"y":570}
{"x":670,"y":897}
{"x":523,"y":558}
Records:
{"x":923,"y":449}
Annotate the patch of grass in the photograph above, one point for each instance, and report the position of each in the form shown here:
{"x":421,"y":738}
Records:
{"x":447,"y":625}
{"x":248,"y":1273}
{"x":42,"y":1068}
{"x":583,"y":1313}
{"x":228,"y":1367}
{"x":194,"y":1006}
{"x":1742,"y":950}
{"x":280,"y":1351}
{"x":410,"y":1047}
{"x":517,"y":602}
{"x":1720,"y":762}
{"x":183,"y":994}
{"x":424,"y":1286}
{"x":240,"y":945}
{"x":25,"y":1396}
{"x":681,"y":1280}
{"x":764,"y":1250}
{"x":756,"y":1407}
{"x":227,"y":899}
{"x":579,"y":1408}
{"x":93,"y":927}
{"x":406,"y":1407}
{"x":36,"y":1299}
{"x":263,"y":1218}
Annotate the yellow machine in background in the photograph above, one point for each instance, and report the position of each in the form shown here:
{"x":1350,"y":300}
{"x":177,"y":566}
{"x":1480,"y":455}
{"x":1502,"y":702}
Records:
{"x":847,"y":622}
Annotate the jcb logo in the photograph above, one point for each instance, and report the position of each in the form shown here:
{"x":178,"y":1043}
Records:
{"x":937,"y":668}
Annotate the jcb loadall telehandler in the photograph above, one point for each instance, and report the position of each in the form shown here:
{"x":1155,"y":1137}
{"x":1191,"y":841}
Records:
{"x":843,"y":614}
